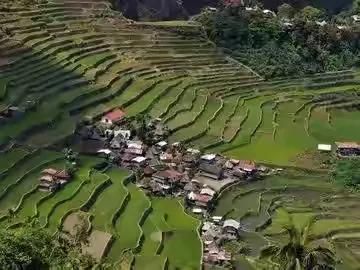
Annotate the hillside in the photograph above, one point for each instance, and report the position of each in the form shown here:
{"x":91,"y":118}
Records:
{"x":161,"y":10}
{"x":67,"y":61}
{"x":100,"y":61}
{"x":145,"y":10}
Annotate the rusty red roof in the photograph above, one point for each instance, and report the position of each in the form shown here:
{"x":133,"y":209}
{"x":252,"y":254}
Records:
{"x":202,"y":198}
{"x":115,"y":115}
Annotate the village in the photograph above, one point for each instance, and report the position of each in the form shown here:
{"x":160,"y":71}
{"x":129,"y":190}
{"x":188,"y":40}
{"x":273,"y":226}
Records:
{"x":171,"y":169}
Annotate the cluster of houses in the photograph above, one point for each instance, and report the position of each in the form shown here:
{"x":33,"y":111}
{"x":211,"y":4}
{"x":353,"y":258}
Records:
{"x":343,"y":149}
{"x":215,"y":232}
{"x":170,"y":169}
{"x":52,"y":179}
{"x":165,"y":169}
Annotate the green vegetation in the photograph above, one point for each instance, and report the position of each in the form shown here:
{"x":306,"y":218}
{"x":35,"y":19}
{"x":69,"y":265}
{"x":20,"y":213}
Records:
{"x":303,"y":196}
{"x":297,"y":253}
{"x":347,"y":172}
{"x":69,"y":60}
{"x":3,"y":88}
{"x":293,"y":43}
{"x":29,"y":248}
{"x":151,"y":230}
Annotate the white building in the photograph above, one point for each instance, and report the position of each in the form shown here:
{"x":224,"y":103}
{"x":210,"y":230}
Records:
{"x":324,"y":147}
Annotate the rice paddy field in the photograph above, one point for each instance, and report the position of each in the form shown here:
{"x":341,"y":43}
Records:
{"x":62,"y":61}
{"x":303,"y":195}
{"x":146,"y":231}
{"x":81,"y":59}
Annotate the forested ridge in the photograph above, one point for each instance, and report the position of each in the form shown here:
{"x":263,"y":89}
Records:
{"x":288,"y":43}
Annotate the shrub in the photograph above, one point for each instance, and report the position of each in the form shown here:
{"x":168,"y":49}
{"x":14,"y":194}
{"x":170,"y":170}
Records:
{"x":347,"y":172}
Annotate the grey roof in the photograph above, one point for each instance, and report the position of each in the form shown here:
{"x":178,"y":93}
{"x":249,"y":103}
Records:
{"x":210,"y":168}
{"x":232,"y":223}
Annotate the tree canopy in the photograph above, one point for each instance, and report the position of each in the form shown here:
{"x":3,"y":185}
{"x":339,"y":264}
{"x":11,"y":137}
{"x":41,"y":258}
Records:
{"x":298,"y":253}
{"x":347,"y":172}
{"x":293,"y":43}
{"x":33,"y":248}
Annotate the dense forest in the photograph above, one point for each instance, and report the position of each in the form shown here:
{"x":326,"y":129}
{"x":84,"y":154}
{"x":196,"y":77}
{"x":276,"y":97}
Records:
{"x":146,"y":10}
{"x":287,"y":43}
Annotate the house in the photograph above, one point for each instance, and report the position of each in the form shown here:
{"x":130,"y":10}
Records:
{"x":246,"y":166}
{"x":157,"y":189}
{"x":160,"y":132}
{"x":189,"y":161}
{"x":200,"y":200}
{"x":269,"y":12}
{"x":251,"y":9}
{"x":134,"y":151}
{"x":238,"y":173}
{"x":216,"y":256}
{"x":208,"y":158}
{"x":124,"y":133}
{"x":51,"y":179}
{"x":229,"y":165}
{"x":193,"y":151}
{"x":197,"y":211}
{"x":59,"y":174}
{"x":113,"y":117}
{"x":207,"y":191}
{"x":348,"y":149}
{"x":148,"y":171}
{"x":324,"y":147}
{"x":211,"y":171}
{"x":342,"y":27}
{"x":117,"y":142}
{"x":140,"y":161}
{"x":322,"y":23}
{"x":206,"y":226}
{"x":213,"y":9}
{"x":104,"y":152}
{"x":135,"y":144}
{"x":288,"y":24}
{"x":167,"y":176}
{"x":127,"y":157}
{"x":166,"y":157}
{"x":161,"y":145}
{"x":217,"y":219}
{"x":135,"y":147}
{"x":231,"y":227}
{"x":356,"y":18}
{"x":48,"y":183}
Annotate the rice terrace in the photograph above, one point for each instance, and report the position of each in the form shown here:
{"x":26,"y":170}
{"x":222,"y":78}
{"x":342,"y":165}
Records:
{"x":67,"y":65}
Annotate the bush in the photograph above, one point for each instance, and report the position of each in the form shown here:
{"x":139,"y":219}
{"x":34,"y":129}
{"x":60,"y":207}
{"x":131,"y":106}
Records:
{"x":347,"y":172}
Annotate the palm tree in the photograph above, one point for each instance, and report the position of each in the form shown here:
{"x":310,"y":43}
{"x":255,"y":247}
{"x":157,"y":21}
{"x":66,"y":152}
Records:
{"x":298,"y":253}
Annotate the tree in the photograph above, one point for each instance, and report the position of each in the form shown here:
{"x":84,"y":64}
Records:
{"x":70,"y":155}
{"x":34,"y":248}
{"x":347,"y":172}
{"x":286,"y":11}
{"x":298,"y":253}
{"x":310,"y":13}
{"x":70,"y":167}
{"x":356,"y":7}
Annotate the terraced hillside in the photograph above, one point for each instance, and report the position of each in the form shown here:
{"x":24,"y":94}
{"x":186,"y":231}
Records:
{"x":62,"y":61}
{"x":145,"y":231}
{"x":302,"y":195}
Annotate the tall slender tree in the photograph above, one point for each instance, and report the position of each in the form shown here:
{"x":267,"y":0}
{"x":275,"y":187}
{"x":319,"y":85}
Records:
{"x":299,"y":253}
